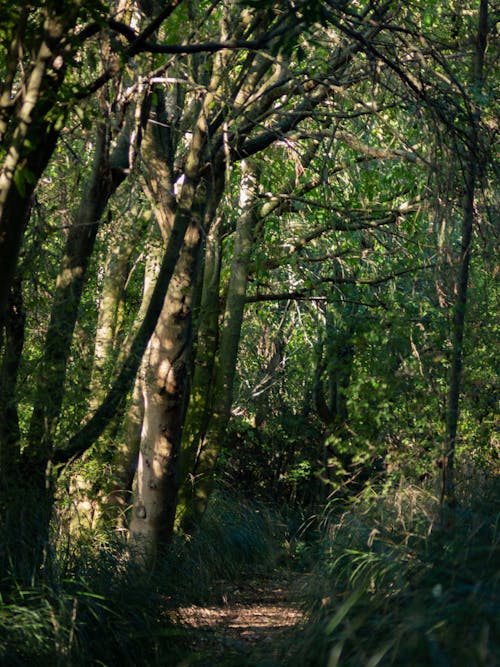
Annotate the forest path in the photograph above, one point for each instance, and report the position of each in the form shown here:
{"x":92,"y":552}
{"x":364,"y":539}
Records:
{"x":247,"y":628}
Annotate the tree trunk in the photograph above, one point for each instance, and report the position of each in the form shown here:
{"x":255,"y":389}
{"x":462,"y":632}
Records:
{"x":228,"y":349}
{"x":334,"y":362}
{"x":168,"y":356}
{"x":79,"y":246}
{"x":29,"y":139}
{"x":124,"y":467}
{"x":207,"y":336}
{"x":116,"y":273}
{"x":164,"y":395}
{"x":10,"y":446}
{"x":471,"y":171}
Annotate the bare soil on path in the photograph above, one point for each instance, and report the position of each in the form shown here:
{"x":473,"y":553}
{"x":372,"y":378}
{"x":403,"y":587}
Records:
{"x":249,"y":627}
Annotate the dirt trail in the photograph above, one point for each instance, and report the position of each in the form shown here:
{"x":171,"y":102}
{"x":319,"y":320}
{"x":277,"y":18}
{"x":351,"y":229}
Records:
{"x":248,"y":627}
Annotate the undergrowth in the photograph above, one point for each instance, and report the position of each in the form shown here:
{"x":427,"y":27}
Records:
{"x":389,"y":580}
{"x":399,"y":582}
{"x":91,"y":606}
{"x":238,"y":538}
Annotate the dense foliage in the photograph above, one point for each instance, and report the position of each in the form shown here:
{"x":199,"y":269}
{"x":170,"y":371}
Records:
{"x":249,"y":316}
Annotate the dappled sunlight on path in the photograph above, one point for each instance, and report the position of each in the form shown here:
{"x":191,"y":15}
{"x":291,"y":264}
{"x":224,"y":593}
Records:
{"x":251,"y":620}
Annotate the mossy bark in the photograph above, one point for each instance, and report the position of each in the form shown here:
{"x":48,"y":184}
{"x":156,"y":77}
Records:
{"x":207,"y":336}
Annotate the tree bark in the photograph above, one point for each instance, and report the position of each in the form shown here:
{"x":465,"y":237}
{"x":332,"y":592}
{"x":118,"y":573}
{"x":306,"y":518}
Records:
{"x":109,"y":320}
{"x":209,"y":449}
{"x":207,"y":336}
{"x":119,"y":497}
{"x":471,"y":173}
{"x":28,"y":137}
{"x":164,"y":395}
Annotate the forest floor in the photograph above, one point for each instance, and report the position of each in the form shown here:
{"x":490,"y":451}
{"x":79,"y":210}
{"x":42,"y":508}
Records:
{"x":248,"y":627}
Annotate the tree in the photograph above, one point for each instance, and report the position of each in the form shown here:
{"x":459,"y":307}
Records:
{"x":471,"y":171}
{"x":335,"y":122}
{"x":208,"y":445}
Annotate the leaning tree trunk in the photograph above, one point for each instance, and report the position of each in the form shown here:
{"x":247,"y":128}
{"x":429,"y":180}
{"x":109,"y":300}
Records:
{"x":110,"y":315}
{"x":79,"y":246}
{"x":36,"y":458}
{"x":27,"y":129}
{"x":28,"y":134}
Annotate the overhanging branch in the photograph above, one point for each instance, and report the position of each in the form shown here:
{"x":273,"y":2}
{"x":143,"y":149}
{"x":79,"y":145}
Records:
{"x":307,"y":294}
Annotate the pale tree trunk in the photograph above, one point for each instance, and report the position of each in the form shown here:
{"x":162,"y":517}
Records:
{"x":168,"y":355}
{"x":119,"y":496}
{"x":109,"y":319}
{"x":471,"y":174}
{"x":201,"y":485}
{"x":164,"y":395}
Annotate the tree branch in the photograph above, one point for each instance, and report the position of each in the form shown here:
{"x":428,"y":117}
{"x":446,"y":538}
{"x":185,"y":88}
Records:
{"x":308,"y":294}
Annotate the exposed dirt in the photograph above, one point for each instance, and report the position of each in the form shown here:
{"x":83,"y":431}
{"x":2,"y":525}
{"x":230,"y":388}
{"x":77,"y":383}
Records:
{"x":248,"y":627}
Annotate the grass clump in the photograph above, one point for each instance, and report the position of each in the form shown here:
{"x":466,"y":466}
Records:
{"x":91,"y":605}
{"x":399,"y":583}
{"x":97,"y":610}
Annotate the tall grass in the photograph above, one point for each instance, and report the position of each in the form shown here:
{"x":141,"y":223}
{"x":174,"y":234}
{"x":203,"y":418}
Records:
{"x":90,"y":605}
{"x":399,"y":582}
{"x":97,"y":610}
{"x":237,"y":537}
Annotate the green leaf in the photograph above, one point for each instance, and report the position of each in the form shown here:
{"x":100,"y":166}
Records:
{"x":345,"y":608}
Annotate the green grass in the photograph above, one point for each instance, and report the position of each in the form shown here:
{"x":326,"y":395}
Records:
{"x":91,"y":606}
{"x":397,"y":582}
{"x":97,"y":612}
